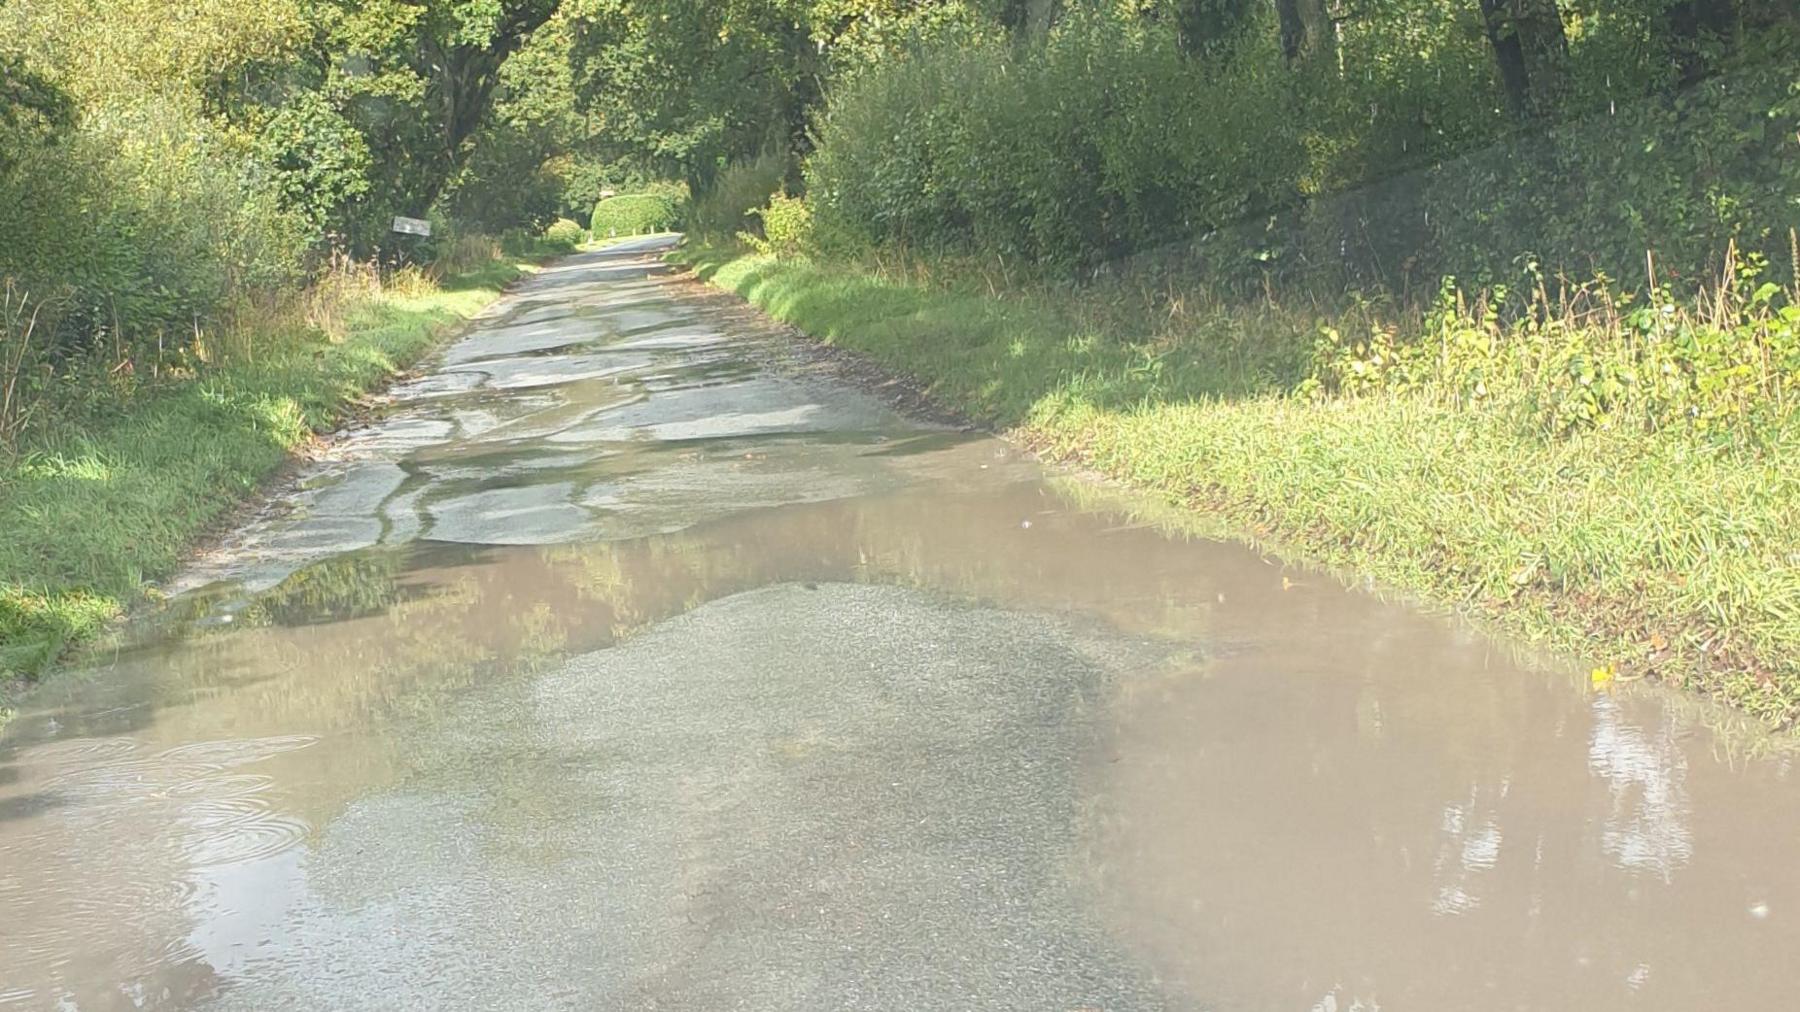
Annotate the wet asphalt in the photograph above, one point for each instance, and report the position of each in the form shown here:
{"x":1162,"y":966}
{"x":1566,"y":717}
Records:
{"x":633,"y":655}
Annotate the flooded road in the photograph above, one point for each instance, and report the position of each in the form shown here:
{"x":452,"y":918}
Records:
{"x":628,"y":660}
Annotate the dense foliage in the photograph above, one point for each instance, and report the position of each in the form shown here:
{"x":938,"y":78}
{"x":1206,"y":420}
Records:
{"x":169,"y":172}
{"x":1403,"y":157}
{"x":729,"y":205}
{"x":159,"y":173}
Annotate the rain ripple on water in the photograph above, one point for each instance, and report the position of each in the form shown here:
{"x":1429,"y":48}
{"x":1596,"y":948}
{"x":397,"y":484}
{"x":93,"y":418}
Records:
{"x":176,"y":817}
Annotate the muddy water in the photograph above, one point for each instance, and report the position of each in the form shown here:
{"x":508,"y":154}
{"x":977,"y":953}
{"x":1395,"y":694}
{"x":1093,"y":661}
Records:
{"x":628,"y":661}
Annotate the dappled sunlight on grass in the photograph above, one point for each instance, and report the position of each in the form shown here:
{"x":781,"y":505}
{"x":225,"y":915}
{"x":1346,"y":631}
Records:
{"x":76,"y":467}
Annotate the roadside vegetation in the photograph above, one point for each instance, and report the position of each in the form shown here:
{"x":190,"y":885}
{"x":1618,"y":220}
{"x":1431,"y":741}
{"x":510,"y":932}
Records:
{"x":637,"y":214}
{"x":105,"y":501}
{"x":1494,"y":300}
{"x":1518,"y":333}
{"x":196,"y":267}
{"x":1648,"y":550}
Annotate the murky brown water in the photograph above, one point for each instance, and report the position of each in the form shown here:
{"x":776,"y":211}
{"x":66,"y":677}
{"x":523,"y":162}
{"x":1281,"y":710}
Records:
{"x":628,"y":664}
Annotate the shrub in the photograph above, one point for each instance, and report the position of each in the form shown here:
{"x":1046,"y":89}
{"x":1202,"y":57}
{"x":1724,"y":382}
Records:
{"x":516,"y":242}
{"x":463,"y":252}
{"x":585,"y":180}
{"x":1107,"y":141}
{"x":145,"y":223}
{"x":725,"y":209}
{"x":635,"y":214}
{"x":787,"y":229}
{"x":1725,"y":364}
{"x":564,"y":236}
{"x":1103,"y":141}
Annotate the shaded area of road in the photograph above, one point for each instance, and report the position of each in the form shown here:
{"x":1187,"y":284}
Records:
{"x":629,"y":660}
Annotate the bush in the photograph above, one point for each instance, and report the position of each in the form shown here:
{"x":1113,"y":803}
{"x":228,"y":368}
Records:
{"x":787,"y":228}
{"x":1108,"y":141}
{"x":725,"y":209}
{"x":459,"y":252}
{"x":635,"y":214}
{"x":564,"y":236}
{"x":137,"y":231}
{"x":1102,"y":142}
{"x":585,"y":180}
{"x":1587,"y":357}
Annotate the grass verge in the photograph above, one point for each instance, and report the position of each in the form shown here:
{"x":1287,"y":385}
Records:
{"x":99,"y":508}
{"x":1651,"y":553}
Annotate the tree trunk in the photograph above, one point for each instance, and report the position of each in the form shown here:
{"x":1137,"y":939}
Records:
{"x":1509,"y":54}
{"x":1306,"y":28}
{"x":1694,"y":27}
{"x":1030,"y":19}
{"x":1545,"y":44}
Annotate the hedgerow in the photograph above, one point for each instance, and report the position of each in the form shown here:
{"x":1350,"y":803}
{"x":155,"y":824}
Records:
{"x":635,"y":214}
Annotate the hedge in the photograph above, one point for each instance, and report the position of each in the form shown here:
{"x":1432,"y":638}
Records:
{"x":634,"y":214}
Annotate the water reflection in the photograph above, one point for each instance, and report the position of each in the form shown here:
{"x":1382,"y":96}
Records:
{"x":1646,"y":772}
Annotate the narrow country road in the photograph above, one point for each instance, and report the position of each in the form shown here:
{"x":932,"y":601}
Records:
{"x":630,"y":659}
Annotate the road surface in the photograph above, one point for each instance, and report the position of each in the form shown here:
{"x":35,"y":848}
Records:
{"x":630,"y":659}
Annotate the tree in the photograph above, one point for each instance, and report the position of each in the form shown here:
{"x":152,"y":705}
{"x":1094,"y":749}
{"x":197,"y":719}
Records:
{"x":1305,"y":28}
{"x":683,"y":88}
{"x":1531,"y":49}
{"x":120,"y":53}
{"x":528,"y":147}
{"x":1696,"y":28}
{"x":414,"y":80}
{"x":31,"y":108}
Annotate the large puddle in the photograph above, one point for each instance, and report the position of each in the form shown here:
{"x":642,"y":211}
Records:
{"x":628,"y":662}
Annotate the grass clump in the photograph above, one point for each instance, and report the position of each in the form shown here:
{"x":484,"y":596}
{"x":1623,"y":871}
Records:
{"x":111,"y":495}
{"x":1614,"y":479}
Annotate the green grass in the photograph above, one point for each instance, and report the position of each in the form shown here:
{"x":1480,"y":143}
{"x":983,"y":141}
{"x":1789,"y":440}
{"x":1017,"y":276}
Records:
{"x":101,"y":508}
{"x":1663,"y":553}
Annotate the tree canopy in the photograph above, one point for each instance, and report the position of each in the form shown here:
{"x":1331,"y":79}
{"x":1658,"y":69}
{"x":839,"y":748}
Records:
{"x":507,"y":113}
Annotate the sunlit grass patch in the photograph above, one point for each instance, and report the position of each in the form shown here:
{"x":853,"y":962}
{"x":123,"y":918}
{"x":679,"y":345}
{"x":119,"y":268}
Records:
{"x":90,"y":466}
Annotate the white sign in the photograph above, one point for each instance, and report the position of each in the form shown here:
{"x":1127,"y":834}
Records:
{"x":412,"y":226}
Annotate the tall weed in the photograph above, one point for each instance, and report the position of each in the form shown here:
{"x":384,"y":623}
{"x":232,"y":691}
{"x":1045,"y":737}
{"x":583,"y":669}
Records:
{"x":726,"y":209}
{"x":19,"y":401}
{"x":1724,"y":364}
